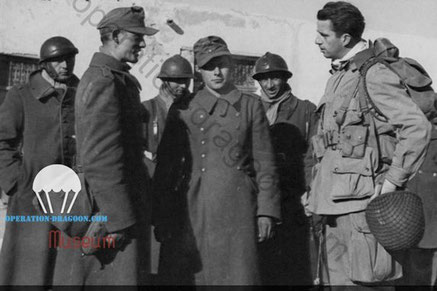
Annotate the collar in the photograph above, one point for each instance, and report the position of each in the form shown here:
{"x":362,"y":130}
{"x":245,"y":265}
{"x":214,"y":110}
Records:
{"x":208,"y":101}
{"x":40,"y":87}
{"x":289,"y":105}
{"x":100,"y":60}
{"x":342,"y":63}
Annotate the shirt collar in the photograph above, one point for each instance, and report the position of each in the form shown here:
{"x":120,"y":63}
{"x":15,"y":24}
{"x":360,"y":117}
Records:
{"x":339,"y":64}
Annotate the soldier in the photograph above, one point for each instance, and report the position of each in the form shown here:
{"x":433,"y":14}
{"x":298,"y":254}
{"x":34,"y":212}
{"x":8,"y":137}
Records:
{"x":109,"y":147}
{"x":421,"y":262}
{"x":285,"y":259}
{"x":358,"y":156}
{"x":36,"y":130}
{"x":176,"y":74}
{"x":215,"y":180}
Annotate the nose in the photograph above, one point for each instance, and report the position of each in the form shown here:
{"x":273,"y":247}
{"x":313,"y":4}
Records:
{"x":63,"y":63}
{"x":269,"y":83}
{"x":317,"y":41}
{"x":142,"y":44}
{"x":216,"y":71}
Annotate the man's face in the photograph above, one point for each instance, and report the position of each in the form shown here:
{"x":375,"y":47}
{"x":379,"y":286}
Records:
{"x":273,"y":84}
{"x":331,"y":46}
{"x":60,"y":69}
{"x":177,"y":86}
{"x":217,"y":73}
{"x":129,"y":46}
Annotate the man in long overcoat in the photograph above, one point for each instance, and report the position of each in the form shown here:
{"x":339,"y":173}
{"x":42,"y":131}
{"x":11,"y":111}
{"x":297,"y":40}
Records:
{"x":285,"y":259}
{"x":421,"y":263}
{"x":36,"y":130}
{"x":176,"y":74}
{"x":109,"y":147}
{"x":215,"y":180}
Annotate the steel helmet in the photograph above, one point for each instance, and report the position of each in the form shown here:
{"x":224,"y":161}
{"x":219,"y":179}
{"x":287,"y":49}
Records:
{"x":270,"y":63}
{"x":396,"y":219}
{"x":176,"y":67}
{"x":55,"y":47}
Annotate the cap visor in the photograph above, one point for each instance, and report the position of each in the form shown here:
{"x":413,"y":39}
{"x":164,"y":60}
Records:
{"x":209,"y":57}
{"x":142,"y":30}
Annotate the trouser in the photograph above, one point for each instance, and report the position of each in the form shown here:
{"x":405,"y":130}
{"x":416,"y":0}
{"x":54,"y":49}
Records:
{"x":353,"y":256}
{"x":420,"y":267}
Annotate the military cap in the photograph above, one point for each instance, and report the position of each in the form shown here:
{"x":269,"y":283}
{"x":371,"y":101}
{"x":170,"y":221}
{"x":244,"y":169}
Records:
{"x":127,"y":18}
{"x":208,"y":48}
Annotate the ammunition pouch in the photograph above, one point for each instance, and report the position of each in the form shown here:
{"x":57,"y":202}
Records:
{"x":353,"y":139}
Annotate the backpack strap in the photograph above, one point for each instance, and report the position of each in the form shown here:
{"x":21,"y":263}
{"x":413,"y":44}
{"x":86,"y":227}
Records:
{"x":340,"y":114}
{"x":364,"y":93}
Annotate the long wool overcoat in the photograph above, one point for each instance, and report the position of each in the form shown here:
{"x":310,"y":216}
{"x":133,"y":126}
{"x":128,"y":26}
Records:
{"x":285,"y":259}
{"x":425,"y":185}
{"x":215,"y":175}
{"x":109,"y":148}
{"x":36,"y":130}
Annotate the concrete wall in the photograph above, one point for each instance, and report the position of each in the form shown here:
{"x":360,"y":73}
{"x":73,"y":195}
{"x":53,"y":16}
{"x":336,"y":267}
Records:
{"x":285,"y":27}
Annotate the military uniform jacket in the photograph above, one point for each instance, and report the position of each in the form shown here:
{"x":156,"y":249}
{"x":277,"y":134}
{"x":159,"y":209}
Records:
{"x":109,"y":148}
{"x":36,"y":130}
{"x":295,"y":124}
{"x":155,"y":115}
{"x":343,"y":184}
{"x":215,"y":174}
{"x":109,"y":136}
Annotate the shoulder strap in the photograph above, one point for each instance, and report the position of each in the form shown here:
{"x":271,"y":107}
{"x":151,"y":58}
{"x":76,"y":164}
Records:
{"x":340,"y":114}
{"x":364,"y":93}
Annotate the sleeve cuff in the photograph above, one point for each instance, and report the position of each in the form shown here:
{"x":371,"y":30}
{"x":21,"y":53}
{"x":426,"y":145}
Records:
{"x":116,"y":205}
{"x":397,"y":176}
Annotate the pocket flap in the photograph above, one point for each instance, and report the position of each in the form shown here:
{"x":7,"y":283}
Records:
{"x":354,"y":135}
{"x":353,"y":166}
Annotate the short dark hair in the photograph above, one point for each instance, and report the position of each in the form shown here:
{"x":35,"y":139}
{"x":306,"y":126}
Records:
{"x":345,"y":18}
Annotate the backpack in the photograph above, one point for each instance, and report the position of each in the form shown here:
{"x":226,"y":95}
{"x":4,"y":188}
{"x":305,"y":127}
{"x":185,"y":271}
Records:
{"x":412,"y":75}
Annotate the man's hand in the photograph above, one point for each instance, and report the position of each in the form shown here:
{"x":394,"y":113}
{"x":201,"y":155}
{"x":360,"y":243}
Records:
{"x":118,"y":237}
{"x":265,"y":228}
{"x":386,"y":187}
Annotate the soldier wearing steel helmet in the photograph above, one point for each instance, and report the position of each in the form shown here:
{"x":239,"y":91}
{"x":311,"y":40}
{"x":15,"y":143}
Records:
{"x":176,"y":74}
{"x":285,"y":260}
{"x":38,"y":118}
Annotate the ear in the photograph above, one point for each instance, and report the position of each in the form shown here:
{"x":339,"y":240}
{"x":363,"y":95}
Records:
{"x":115,"y":36}
{"x":346,"y":39}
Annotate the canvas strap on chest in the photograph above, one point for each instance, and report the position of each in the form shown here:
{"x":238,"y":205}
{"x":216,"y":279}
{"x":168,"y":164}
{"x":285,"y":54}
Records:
{"x":359,"y":92}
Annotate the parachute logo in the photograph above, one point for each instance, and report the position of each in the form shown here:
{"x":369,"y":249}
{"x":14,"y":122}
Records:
{"x":59,"y":180}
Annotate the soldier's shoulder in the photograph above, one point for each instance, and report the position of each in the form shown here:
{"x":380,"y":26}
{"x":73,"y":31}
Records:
{"x":307,"y":104}
{"x":250,"y":97}
{"x":97,"y":76}
{"x":99,"y":73}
